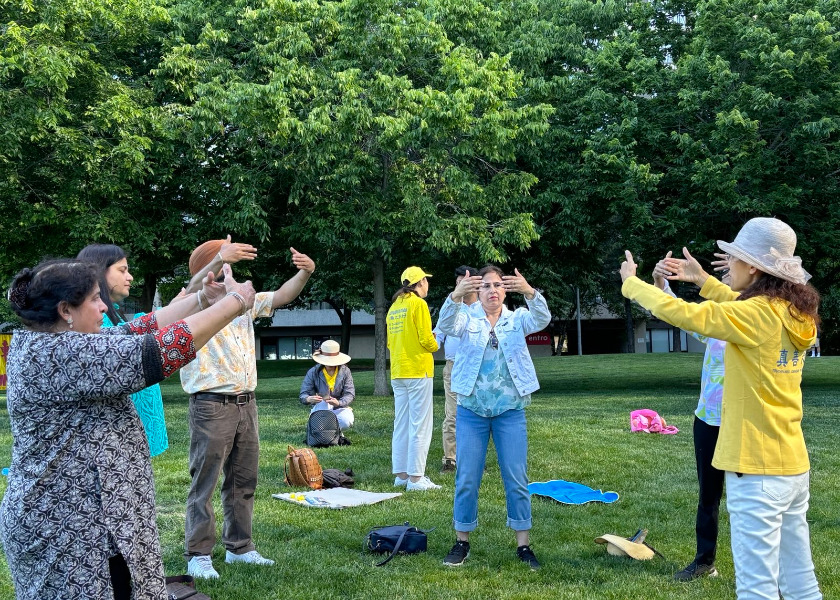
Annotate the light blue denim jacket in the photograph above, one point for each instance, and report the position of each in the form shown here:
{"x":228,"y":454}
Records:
{"x":471,"y":325}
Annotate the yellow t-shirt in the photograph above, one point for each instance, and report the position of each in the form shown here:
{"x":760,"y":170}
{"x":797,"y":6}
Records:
{"x":410,"y":338}
{"x":330,"y":379}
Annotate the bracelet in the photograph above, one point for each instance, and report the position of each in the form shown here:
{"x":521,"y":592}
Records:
{"x":239,"y":297}
{"x":198,"y":297}
{"x":220,"y":257}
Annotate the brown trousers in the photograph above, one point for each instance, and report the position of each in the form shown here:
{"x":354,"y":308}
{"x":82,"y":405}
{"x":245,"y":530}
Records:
{"x":224,"y":438}
{"x":450,"y":408}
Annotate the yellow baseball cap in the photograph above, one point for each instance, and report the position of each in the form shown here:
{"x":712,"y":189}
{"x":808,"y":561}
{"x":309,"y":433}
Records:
{"x":413,"y":275}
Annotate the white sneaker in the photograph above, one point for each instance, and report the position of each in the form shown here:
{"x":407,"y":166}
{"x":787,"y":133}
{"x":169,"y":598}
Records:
{"x":400,"y":482}
{"x":201,"y":567}
{"x":422,"y":484}
{"x":252,"y":558}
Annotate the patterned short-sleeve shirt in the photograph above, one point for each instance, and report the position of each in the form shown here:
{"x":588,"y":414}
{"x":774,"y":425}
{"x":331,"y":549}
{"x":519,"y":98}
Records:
{"x":227,"y":364}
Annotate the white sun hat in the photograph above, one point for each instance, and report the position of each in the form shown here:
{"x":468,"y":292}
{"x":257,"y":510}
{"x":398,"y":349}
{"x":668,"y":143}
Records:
{"x":768,"y":245}
{"x":330,"y":354}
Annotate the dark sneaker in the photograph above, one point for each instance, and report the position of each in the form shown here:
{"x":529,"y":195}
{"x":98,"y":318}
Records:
{"x":448,"y":465}
{"x":526,"y":555}
{"x":459,"y":553}
{"x":694,"y":570}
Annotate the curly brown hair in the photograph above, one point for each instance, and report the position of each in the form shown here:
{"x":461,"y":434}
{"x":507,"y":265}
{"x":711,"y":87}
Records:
{"x":803,"y":299}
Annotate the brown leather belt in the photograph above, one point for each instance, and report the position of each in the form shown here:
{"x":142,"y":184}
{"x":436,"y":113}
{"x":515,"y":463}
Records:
{"x":237,"y":399}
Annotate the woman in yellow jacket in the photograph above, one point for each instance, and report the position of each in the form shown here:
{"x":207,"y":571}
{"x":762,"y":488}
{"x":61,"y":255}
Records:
{"x":769,"y":326}
{"x":411,"y":342}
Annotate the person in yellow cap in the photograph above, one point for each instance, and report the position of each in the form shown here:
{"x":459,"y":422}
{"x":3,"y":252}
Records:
{"x":411,"y":342}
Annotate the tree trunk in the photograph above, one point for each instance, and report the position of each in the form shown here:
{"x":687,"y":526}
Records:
{"x":631,"y":329}
{"x":147,"y":297}
{"x":380,"y":377}
{"x":345,"y":315}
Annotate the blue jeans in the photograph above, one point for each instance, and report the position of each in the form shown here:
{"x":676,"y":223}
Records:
{"x":510,"y":436}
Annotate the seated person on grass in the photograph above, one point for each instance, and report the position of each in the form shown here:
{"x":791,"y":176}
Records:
{"x":329,"y":384}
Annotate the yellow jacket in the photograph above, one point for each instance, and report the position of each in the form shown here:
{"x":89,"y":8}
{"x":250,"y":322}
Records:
{"x":410,"y":338}
{"x":760,"y":430}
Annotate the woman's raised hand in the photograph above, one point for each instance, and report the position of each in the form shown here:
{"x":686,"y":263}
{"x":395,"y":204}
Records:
{"x":660,"y":272}
{"x":211,"y":290}
{"x":234,"y":252}
{"x":628,"y":267}
{"x":243,"y":290}
{"x":686,"y":269}
{"x":517,"y":283}
{"x":468,"y":285}
{"x":722,"y":262}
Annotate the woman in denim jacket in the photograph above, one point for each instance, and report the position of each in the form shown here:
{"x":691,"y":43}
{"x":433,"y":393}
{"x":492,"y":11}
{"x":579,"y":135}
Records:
{"x":493,"y":378}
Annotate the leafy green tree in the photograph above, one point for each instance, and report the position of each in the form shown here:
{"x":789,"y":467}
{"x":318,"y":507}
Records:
{"x":86,"y":152}
{"x":381,"y":138}
{"x":757,"y":130}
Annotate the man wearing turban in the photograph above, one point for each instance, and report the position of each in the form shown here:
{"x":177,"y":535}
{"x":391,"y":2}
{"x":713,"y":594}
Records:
{"x":224,"y":436}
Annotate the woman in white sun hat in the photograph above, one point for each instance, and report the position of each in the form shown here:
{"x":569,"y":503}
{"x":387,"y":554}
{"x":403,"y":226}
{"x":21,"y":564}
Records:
{"x":329,"y":384}
{"x":411,"y":342}
{"x":769,"y":319}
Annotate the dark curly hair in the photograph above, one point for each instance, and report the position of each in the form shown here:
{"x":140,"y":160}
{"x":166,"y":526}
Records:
{"x":803,"y":299}
{"x":36,"y":293}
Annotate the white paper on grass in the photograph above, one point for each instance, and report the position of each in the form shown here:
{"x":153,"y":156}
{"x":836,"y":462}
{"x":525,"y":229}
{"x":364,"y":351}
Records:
{"x":336,"y":498}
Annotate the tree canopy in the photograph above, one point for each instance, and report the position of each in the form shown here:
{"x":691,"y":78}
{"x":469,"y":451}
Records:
{"x":373,"y":134}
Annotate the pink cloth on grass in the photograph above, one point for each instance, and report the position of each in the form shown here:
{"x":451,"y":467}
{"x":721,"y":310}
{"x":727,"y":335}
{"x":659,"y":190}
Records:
{"x":649,"y":421}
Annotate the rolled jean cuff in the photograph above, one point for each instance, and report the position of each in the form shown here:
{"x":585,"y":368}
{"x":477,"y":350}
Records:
{"x":518,"y":524}
{"x":464,"y":526}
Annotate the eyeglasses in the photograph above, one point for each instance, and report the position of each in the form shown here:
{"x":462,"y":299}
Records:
{"x":494,"y":285}
{"x":494,"y":341}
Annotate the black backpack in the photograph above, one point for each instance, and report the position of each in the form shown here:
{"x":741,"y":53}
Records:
{"x":322,"y":429}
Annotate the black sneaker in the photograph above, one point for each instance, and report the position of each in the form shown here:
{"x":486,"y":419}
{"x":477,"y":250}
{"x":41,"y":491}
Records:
{"x":526,"y":555}
{"x":695,"y":570}
{"x":459,"y":553}
{"x":448,"y":465}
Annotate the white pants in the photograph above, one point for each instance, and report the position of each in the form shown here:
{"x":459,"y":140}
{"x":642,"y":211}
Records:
{"x":412,"y":425}
{"x":771,"y":546}
{"x":344,"y":414}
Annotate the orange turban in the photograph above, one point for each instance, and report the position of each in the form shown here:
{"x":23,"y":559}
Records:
{"x":204,"y":254}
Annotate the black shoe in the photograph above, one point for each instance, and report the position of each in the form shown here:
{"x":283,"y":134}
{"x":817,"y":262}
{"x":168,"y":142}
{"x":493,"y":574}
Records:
{"x":459,"y":553}
{"x":448,"y":465}
{"x":695,"y":570}
{"x":526,"y":555}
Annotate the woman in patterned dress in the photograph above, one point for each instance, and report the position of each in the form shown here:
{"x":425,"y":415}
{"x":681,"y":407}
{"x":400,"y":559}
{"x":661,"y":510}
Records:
{"x":114,"y":287}
{"x":78,"y":516}
{"x":493,"y":377}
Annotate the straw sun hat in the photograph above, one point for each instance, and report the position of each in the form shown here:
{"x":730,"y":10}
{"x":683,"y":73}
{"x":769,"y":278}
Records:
{"x":619,"y":546}
{"x":768,"y":245}
{"x":330,"y":354}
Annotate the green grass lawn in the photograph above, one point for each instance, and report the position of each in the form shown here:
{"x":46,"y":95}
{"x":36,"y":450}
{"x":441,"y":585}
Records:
{"x":578,"y":427}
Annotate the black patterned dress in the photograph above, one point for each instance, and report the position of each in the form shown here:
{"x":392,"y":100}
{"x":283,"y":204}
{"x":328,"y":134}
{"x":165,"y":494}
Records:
{"x":80,"y":484}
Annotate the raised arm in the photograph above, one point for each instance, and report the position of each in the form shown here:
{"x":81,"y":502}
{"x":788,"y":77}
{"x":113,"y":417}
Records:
{"x":153,"y":353}
{"x":454,"y":316}
{"x":537,"y":316}
{"x":735,"y":322}
{"x":229,"y":253}
{"x":292,"y":288}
